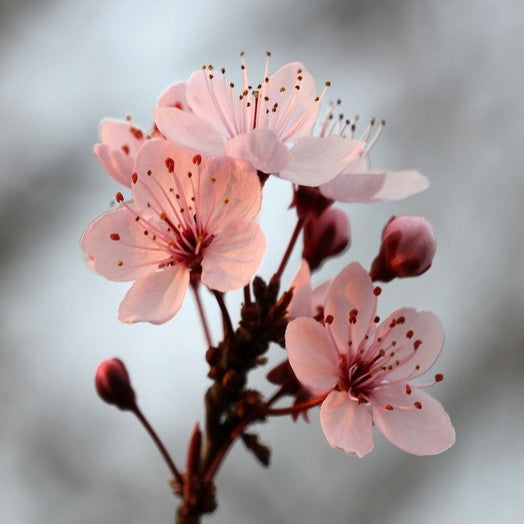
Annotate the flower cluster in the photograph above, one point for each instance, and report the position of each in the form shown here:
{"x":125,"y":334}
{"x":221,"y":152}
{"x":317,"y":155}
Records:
{"x":194,"y":185}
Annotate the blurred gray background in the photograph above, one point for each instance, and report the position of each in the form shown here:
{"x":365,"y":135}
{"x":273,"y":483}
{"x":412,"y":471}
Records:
{"x":447,"y":76}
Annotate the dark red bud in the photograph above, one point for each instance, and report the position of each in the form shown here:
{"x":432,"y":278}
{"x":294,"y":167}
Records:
{"x":309,"y":201}
{"x":113,"y":385}
{"x":325,"y":235}
{"x":407,"y":249}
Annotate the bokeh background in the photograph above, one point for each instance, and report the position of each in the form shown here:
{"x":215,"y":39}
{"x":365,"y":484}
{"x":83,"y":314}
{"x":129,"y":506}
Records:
{"x":448,"y":77}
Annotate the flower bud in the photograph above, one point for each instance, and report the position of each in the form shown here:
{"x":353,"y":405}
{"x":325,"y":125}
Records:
{"x":113,"y":385}
{"x":309,"y":201}
{"x":325,"y":236}
{"x":407,"y":249}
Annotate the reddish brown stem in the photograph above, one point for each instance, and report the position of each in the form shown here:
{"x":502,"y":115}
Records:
{"x":202,"y":315}
{"x":297,"y":407}
{"x":159,"y":444}
{"x":289,"y":249}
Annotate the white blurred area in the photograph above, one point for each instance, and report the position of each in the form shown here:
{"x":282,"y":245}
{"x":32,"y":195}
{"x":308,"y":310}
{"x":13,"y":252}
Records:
{"x":448,"y":78}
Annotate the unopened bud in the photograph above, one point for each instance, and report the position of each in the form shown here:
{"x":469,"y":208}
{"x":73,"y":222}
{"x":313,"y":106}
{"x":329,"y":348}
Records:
{"x":407,"y":249}
{"x":309,"y":201}
{"x":325,"y":236}
{"x":113,"y":384}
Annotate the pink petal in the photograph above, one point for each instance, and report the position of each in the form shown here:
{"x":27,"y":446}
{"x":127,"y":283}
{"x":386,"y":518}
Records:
{"x":118,"y":133}
{"x":418,"y":341}
{"x":233,"y":256}
{"x":174,"y":96}
{"x":229,"y":190}
{"x":189,"y":130}
{"x":318,"y":160}
{"x":262,"y":148}
{"x":351,"y":290}
{"x":120,"y":141}
{"x":400,"y":184}
{"x":319,"y":294}
{"x":300,"y":305}
{"x":353,"y":187}
{"x":346,"y":424}
{"x":116,"y":163}
{"x":117,"y":248}
{"x":155,"y":298}
{"x":211,"y":99}
{"x":425,"y":431}
{"x":297,"y":108}
{"x":311,"y":354}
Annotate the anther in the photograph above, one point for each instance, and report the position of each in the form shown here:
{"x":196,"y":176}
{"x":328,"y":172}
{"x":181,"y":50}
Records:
{"x":114,"y":236}
{"x":417,"y":404}
{"x":329,"y":319}
{"x":377,"y":291}
{"x":170,"y":164}
{"x":409,"y":334}
{"x":125,"y":149}
{"x":389,"y":407}
{"x":197,"y":159}
{"x":416,"y":344}
{"x":119,"y":197}
{"x":134,"y":178}
{"x":439,"y":377}
{"x":408,"y":389}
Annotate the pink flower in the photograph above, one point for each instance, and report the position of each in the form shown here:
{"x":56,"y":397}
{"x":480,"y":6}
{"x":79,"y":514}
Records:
{"x":120,"y":140}
{"x":366,"y":371}
{"x":270,"y":125}
{"x":188,"y":214}
{"x":357,"y":182}
{"x":407,"y":248}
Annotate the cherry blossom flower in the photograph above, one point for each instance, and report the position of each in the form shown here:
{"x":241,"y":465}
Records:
{"x":269,"y":125}
{"x":357,"y":182}
{"x":366,"y":371}
{"x":188,"y":214}
{"x":120,"y":140}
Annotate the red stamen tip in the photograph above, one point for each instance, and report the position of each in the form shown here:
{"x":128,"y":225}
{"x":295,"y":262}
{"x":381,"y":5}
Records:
{"x":389,"y":407}
{"x":134,"y":178}
{"x":114,"y":236}
{"x":197,"y":159}
{"x":170,"y":164}
{"x":439,"y":377}
{"x":417,"y":404}
{"x":329,"y":319}
{"x":119,"y":197}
